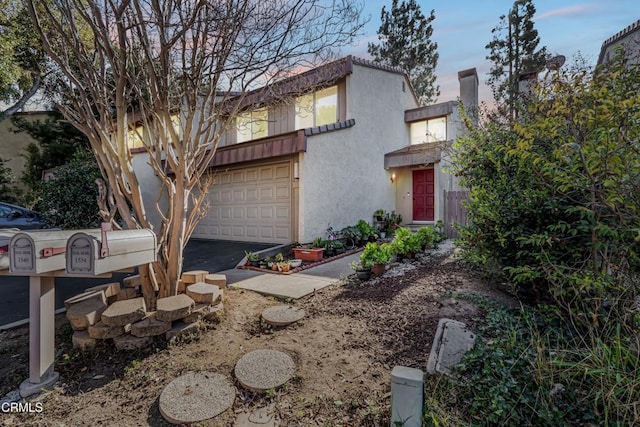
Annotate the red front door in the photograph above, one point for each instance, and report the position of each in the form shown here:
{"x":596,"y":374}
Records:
{"x":423,"y":195}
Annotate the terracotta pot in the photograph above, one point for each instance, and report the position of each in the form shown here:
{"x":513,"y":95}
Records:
{"x":378,"y":269}
{"x":274,"y":267}
{"x":285,"y":268}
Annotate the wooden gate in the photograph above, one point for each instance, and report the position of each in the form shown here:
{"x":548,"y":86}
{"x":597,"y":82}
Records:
{"x":454,"y":211}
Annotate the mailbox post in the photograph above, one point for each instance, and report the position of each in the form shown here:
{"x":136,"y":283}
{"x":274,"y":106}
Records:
{"x":44,"y":255}
{"x":40,"y":255}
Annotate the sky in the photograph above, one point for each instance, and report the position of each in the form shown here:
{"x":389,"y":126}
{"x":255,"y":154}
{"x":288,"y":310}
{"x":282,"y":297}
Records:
{"x":462,"y":29}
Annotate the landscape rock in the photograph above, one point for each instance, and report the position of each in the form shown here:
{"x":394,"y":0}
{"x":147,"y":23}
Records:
{"x":131,"y":281}
{"x":215,"y":313}
{"x":82,"y":341}
{"x":180,"y":329}
{"x":220,"y":280}
{"x":203,"y":293}
{"x":85,"y":313}
{"x":198,"y":313}
{"x":99,"y":295}
{"x":149,"y":326}
{"x":109,"y":289}
{"x":102,"y":332}
{"x":129,"y":342}
{"x":121,"y":313}
{"x":174,"y":307}
{"x":194,"y":276}
{"x":127,"y":293}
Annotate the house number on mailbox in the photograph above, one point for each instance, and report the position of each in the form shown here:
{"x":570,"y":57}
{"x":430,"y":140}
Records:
{"x":81,"y":256}
{"x":23,"y":255}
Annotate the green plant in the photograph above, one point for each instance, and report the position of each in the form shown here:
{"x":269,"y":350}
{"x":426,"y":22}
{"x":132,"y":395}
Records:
{"x":366,"y":231}
{"x":402,"y":242}
{"x":317,"y":242}
{"x":279,"y":257}
{"x":428,"y":236}
{"x":360,"y":265}
{"x":379,"y":214}
{"x":251,"y":256}
{"x":376,"y":254}
{"x":392,"y":221}
{"x":73,"y":186}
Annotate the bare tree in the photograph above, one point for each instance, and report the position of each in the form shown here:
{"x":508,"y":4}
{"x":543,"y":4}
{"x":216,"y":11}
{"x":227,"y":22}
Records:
{"x":130,"y":63}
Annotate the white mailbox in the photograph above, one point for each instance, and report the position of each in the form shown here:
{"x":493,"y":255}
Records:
{"x":106,"y":251}
{"x":36,"y":252}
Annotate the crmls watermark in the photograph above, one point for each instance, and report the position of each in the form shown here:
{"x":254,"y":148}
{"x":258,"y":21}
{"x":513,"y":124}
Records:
{"x":29,"y":407}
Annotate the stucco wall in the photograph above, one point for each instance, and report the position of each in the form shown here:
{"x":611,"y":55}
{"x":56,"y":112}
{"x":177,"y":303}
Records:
{"x":150,"y":186}
{"x":342,"y":175}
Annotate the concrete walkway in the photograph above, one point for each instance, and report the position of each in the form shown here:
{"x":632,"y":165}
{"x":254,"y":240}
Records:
{"x":293,"y":286}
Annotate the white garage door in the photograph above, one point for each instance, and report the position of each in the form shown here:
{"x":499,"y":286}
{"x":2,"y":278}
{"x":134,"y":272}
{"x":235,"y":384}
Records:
{"x":249,"y":204}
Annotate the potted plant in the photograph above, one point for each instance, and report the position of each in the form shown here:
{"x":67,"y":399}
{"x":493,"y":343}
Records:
{"x":279,"y":258}
{"x":312,"y":254}
{"x":377,"y":256}
{"x":251,"y":257}
{"x":400,"y":245}
{"x":362,"y":270}
{"x":283,"y":267}
{"x":378,"y":215}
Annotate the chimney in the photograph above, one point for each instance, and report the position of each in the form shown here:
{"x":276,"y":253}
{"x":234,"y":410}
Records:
{"x":469,"y":91}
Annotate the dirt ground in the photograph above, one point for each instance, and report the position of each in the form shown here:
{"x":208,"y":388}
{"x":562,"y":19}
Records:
{"x":354,"y":333}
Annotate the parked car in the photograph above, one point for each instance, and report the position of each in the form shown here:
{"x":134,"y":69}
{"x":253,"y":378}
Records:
{"x":12,"y":216}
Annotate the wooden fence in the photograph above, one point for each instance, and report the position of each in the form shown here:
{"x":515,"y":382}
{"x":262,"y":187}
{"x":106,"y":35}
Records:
{"x":454,"y":211}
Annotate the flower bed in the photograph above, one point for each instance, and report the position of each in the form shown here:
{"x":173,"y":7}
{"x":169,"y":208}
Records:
{"x":304,"y":266}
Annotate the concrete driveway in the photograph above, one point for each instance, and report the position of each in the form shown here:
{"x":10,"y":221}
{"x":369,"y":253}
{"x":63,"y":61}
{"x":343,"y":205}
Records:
{"x":210,"y":255}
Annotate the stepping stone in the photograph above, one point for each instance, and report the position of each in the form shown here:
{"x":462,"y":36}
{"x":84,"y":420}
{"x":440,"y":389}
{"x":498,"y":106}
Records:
{"x":194,"y":276}
{"x":262,"y":370}
{"x":451,"y":342}
{"x":85,"y":313}
{"x":149,"y":326}
{"x":261,"y":417}
{"x":81,"y":340}
{"x":102,"y":332}
{"x":282,"y":315}
{"x":121,"y":313}
{"x":174,"y":307}
{"x":180,"y":329}
{"x":220,"y":280}
{"x":203,"y":292}
{"x":129,"y":342}
{"x":196,"y":396}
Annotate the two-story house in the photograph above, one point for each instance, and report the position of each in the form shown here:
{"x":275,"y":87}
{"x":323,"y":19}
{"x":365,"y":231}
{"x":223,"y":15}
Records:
{"x":352,"y":139}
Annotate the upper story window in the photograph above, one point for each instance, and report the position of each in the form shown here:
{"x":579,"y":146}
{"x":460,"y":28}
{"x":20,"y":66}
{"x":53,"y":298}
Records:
{"x":136,"y":135}
{"x":432,"y":130}
{"x":252,"y":125}
{"x":317,"y":108}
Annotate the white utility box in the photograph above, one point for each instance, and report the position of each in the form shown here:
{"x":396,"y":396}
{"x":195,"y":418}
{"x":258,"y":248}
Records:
{"x":102,"y":252}
{"x":37,"y":252}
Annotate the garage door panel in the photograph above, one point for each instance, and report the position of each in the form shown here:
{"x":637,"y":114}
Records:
{"x":251,"y":204}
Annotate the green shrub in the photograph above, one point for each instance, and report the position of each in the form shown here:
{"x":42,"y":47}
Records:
{"x":70,"y":200}
{"x":375,"y":253}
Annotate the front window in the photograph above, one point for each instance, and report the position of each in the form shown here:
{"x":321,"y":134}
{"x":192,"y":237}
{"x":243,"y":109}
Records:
{"x":317,"y":108}
{"x":252,"y":125}
{"x":432,"y":130}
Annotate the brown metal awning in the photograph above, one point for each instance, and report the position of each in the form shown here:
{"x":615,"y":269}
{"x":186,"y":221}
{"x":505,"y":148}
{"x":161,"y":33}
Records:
{"x":413,"y":155}
{"x":264,"y":148}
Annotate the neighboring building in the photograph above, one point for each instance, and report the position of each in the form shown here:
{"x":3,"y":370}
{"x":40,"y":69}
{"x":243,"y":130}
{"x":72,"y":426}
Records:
{"x":629,"y":38}
{"x":13,"y":145}
{"x":356,"y":141}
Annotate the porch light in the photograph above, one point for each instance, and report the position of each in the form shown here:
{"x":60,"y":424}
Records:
{"x":393,"y":177}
